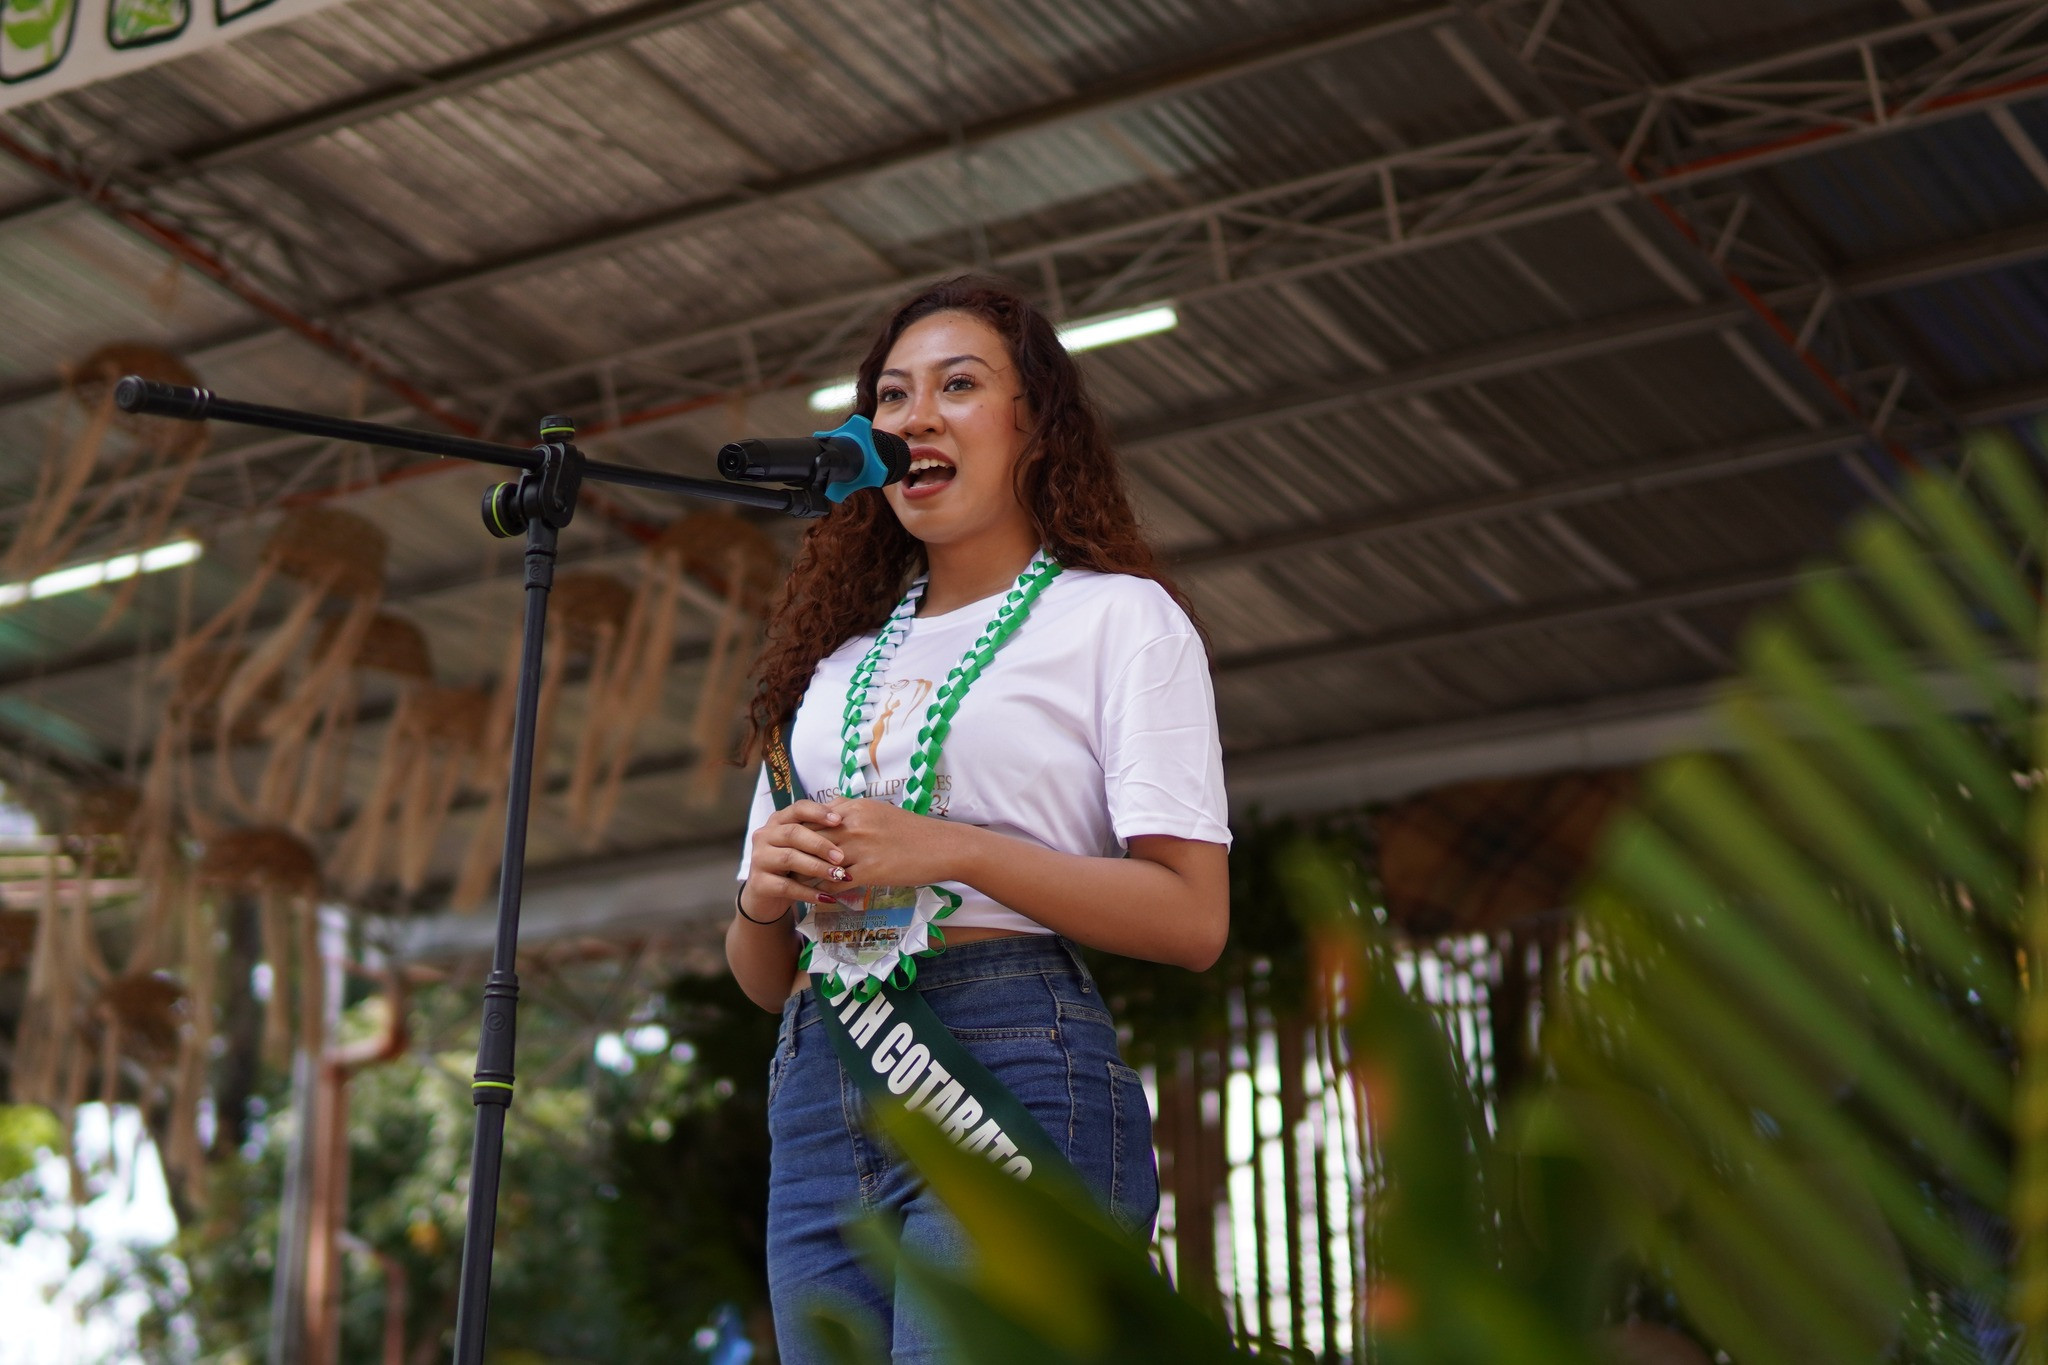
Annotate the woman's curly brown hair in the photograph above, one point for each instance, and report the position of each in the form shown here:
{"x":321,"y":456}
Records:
{"x":854,"y":563}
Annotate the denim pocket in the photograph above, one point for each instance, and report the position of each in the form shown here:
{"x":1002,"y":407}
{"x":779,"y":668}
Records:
{"x":1133,"y":1173}
{"x":1069,"y":1012}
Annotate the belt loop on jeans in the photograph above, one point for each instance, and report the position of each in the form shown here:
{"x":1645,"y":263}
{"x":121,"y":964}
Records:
{"x":1080,"y":967}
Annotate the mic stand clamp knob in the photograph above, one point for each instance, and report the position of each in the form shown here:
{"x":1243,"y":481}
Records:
{"x":547,"y":494}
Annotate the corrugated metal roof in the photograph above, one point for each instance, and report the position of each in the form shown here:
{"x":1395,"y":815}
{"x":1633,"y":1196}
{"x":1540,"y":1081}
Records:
{"x":840,"y":116}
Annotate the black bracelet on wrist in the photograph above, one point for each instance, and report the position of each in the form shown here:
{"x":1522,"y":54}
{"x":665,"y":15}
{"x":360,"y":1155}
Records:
{"x":739,"y":904}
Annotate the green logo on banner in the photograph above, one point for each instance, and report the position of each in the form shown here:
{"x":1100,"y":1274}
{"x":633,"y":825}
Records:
{"x":34,"y":36}
{"x":137,"y":23}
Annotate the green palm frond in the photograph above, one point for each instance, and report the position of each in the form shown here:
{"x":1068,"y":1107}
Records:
{"x":1800,"y":1054}
{"x":1796,"y":1044}
{"x":1052,"y":1280}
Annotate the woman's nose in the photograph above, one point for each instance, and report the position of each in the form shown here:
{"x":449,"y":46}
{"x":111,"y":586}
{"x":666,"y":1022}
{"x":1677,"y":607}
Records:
{"x":922,"y":413}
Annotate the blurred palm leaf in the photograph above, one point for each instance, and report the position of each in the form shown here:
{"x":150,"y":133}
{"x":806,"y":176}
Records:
{"x":1789,"y":1047}
{"x":1461,"y":1278}
{"x":1795,"y":1072}
{"x":1482,"y":1259}
{"x":1054,"y":1281}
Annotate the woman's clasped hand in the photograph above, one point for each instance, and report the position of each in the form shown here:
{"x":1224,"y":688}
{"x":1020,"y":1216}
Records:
{"x":855,"y":841}
{"x":883,"y":844}
{"x":792,"y":857}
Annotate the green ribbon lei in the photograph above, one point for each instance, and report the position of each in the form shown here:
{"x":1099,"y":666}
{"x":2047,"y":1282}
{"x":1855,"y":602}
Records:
{"x":855,"y":779}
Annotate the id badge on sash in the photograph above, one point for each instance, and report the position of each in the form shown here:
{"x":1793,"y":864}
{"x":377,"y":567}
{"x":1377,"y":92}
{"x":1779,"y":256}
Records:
{"x":862,"y":933}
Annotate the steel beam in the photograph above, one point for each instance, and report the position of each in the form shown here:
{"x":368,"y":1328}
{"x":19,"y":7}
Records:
{"x":1941,"y":264}
{"x":815,"y":184}
{"x":1869,"y":280}
{"x":1578,"y":612}
{"x":98,"y":654}
{"x":1842,"y":372}
{"x":807,"y":187}
{"x":1495,"y":143}
{"x":1356,"y":239}
{"x":542,"y":257}
{"x":646,"y":19}
{"x":1576,"y":490}
{"x":1518,"y":356}
{"x":643,"y":893}
{"x":1246,"y":59}
{"x":1787,"y":105}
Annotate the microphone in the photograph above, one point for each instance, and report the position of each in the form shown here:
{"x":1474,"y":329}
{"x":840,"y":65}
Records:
{"x":839,"y":462}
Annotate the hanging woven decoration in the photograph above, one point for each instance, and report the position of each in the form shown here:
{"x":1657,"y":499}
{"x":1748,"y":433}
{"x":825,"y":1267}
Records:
{"x":303,"y":787}
{"x":278,"y":868}
{"x":595,"y":613}
{"x":331,"y":557}
{"x":742,"y":565}
{"x":587,"y":617}
{"x":494,"y":764}
{"x":17,"y":940}
{"x":153,"y":453}
{"x":738,"y":563}
{"x":83,"y":1019}
{"x":431,"y":752}
{"x":154,"y":1019}
{"x":137,"y":1014}
{"x":171,"y":807}
{"x":67,"y":970}
{"x":112,"y":836}
{"x":1481,"y":857}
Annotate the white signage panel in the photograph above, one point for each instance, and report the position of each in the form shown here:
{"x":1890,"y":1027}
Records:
{"x":52,"y":45}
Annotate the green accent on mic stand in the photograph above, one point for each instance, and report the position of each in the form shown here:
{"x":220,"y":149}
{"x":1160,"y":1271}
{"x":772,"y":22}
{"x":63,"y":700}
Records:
{"x":504,"y":532}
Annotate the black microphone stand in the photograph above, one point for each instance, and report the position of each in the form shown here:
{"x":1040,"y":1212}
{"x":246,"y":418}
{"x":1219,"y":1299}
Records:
{"x":540,"y":503}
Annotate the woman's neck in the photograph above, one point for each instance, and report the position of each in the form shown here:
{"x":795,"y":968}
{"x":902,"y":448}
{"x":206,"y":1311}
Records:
{"x":968,"y":571}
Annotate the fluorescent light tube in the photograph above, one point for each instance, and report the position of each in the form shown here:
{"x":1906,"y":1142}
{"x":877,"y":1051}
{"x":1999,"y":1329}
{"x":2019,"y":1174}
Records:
{"x":837,"y":396}
{"x":78,"y":577}
{"x":1083,"y":334}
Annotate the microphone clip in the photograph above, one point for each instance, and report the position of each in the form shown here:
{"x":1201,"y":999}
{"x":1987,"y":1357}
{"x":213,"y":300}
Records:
{"x":547,"y":494}
{"x":874,"y":471}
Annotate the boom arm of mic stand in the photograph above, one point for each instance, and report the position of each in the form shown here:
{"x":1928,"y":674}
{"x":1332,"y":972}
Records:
{"x":149,"y":398}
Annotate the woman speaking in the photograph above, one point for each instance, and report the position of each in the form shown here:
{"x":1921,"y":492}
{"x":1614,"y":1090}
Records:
{"x":1000,"y":738}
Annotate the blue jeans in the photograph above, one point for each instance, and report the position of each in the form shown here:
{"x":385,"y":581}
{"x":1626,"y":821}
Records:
{"x":1028,"y":1011}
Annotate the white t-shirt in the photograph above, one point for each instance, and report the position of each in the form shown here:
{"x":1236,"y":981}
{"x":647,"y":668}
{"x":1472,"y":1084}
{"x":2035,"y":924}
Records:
{"x":1093,"y":724}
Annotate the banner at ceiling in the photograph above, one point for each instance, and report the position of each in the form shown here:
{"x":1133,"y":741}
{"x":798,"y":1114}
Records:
{"x":52,"y":45}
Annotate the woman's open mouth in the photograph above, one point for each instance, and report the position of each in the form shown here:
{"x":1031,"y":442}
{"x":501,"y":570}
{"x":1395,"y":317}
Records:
{"x":929,"y":472}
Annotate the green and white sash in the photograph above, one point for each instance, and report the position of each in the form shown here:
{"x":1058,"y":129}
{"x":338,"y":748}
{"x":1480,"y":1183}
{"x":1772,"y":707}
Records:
{"x":896,"y":1049}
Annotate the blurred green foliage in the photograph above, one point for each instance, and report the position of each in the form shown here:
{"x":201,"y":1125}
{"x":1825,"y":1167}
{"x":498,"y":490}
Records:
{"x":1488,"y":1256}
{"x":1785,"y":1100}
{"x":1792,"y":1099}
{"x":632,"y":1205}
{"x":689,"y":1229}
{"x":1792,"y":1046}
{"x":27,"y":1133}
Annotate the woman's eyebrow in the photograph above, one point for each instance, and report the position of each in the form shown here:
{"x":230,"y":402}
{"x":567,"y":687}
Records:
{"x":947,"y":363}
